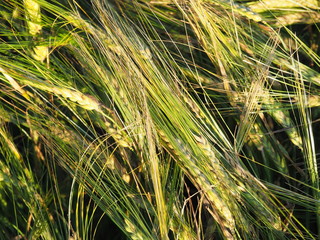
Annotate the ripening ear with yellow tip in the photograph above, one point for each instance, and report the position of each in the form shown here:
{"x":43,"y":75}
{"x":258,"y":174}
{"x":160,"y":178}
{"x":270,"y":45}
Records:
{"x":159,"y":119}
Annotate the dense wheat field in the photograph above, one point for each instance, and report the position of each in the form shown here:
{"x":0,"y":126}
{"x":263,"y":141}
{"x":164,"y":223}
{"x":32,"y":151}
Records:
{"x":159,"y":119}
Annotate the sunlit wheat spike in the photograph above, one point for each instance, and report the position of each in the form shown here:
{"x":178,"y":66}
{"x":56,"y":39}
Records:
{"x":239,"y":8}
{"x":223,"y":208}
{"x":15,"y":84}
{"x":200,"y":78}
{"x":260,"y":199}
{"x":193,"y":106}
{"x":85,"y":101}
{"x":40,"y":53}
{"x":33,"y":15}
{"x":299,"y":17}
{"x":267,"y":5}
{"x":10,"y":144}
{"x":163,"y":136}
{"x":313,"y":101}
{"x":263,"y":144}
{"x":87,"y":27}
{"x":119,"y":135}
{"x":221,"y":213}
{"x":5,"y":174}
{"x":233,"y":189}
{"x":132,"y":230}
{"x":213,"y":163}
{"x":35,"y":137}
{"x":95,"y":149}
{"x":282,"y":117}
{"x":180,"y":228}
{"x":64,"y":134}
{"x":199,"y":113}
{"x":204,"y":144}
{"x":168,"y":143}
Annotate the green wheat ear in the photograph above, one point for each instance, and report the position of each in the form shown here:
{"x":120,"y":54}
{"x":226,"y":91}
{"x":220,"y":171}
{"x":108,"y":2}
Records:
{"x":164,"y":119}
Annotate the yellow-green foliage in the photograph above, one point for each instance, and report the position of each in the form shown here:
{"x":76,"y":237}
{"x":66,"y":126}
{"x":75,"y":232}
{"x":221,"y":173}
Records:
{"x":173,"y":119}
